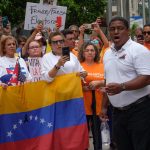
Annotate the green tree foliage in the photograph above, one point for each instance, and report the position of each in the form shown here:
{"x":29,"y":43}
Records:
{"x":78,"y":11}
{"x":14,"y":9}
{"x":132,"y":30}
{"x":83,"y":11}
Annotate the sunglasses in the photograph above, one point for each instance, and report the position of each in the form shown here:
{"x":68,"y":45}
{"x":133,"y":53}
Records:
{"x":148,"y":32}
{"x":58,"y":42}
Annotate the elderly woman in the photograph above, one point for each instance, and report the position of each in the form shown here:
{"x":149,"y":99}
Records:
{"x":54,"y":63}
{"x":90,"y":60}
{"x":12,"y":69}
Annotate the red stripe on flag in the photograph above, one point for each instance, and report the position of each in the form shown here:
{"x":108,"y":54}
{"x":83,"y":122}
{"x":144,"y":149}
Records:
{"x":72,"y":138}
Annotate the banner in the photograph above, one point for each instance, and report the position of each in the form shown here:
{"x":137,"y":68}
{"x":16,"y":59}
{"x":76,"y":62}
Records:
{"x":47,"y":13}
{"x":43,"y":116}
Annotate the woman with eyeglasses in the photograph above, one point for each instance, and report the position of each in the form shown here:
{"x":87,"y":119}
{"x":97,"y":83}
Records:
{"x":37,"y":35}
{"x":90,"y":60}
{"x":99,"y":39}
{"x":34,"y":60}
{"x":54,"y":63}
{"x":13,"y":70}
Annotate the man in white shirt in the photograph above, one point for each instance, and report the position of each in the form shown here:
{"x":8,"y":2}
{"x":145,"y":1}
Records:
{"x":127,"y":74}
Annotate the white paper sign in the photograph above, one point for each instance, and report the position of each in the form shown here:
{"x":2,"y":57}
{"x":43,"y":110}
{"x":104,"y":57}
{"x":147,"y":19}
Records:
{"x":47,"y":13}
{"x":34,"y":65}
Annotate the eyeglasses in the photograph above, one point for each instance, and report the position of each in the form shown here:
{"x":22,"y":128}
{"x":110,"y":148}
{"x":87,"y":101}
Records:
{"x":140,"y":37}
{"x":58,"y":42}
{"x":113,"y":29}
{"x":146,"y":32}
{"x":34,"y":47}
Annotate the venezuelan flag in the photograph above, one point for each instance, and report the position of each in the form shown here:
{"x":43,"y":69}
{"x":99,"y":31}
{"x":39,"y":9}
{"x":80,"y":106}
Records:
{"x":43,"y":116}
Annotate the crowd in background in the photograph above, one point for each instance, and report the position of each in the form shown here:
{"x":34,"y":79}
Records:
{"x":85,"y":59}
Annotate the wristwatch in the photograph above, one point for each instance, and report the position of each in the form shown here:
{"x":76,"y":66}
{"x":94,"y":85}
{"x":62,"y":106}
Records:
{"x":123,"y":86}
{"x":56,"y":67}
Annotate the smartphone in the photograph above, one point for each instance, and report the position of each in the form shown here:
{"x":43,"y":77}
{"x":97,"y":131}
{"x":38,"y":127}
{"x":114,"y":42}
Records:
{"x":59,"y":21}
{"x":5,"y":21}
{"x":88,"y":26}
{"x":66,"y":51}
{"x":93,"y":25}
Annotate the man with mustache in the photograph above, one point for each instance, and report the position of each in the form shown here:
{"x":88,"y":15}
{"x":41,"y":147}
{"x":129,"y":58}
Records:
{"x":127,"y":74}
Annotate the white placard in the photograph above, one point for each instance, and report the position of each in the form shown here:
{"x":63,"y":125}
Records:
{"x":47,"y":13}
{"x":34,"y":66}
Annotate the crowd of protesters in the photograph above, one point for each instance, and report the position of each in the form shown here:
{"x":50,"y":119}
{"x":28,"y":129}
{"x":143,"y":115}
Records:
{"x":115,"y":70}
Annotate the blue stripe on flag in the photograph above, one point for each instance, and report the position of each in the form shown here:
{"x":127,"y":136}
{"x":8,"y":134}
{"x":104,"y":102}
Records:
{"x":19,"y":126}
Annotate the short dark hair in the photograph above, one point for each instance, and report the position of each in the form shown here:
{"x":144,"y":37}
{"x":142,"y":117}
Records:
{"x":54,"y":34}
{"x":65,"y":32}
{"x":147,"y":25}
{"x":125,"y":22}
{"x":22,"y":39}
{"x":83,"y":47}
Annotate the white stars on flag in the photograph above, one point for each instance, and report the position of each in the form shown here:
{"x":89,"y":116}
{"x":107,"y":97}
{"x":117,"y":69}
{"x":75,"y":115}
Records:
{"x":36,"y":118}
{"x":14,"y":126}
{"x":31,"y":118}
{"x":9,"y":134}
{"x":42,"y":121}
{"x":49,"y":124}
{"x":20,"y":122}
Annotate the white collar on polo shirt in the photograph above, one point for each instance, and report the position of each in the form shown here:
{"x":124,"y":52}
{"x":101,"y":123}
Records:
{"x":125,"y":46}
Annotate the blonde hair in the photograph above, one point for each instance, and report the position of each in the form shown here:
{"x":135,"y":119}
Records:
{"x":3,"y":40}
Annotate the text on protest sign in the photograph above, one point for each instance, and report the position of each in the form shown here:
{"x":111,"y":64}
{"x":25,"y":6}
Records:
{"x":47,"y":13}
{"x":34,"y":65}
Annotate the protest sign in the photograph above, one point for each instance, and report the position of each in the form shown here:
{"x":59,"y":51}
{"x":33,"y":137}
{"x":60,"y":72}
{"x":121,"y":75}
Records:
{"x":47,"y":13}
{"x":34,"y":65}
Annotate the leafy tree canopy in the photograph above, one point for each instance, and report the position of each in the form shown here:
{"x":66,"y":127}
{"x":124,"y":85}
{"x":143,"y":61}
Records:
{"x":83,"y":11}
{"x":14,"y":9}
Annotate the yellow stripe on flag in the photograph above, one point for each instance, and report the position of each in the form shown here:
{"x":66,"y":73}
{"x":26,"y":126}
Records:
{"x":31,"y":96}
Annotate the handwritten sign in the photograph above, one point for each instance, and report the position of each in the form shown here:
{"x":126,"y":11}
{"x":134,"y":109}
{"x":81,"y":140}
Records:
{"x":47,"y":13}
{"x":34,"y":65}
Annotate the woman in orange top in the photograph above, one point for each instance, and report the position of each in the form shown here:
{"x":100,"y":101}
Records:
{"x":90,"y":58}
